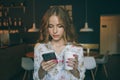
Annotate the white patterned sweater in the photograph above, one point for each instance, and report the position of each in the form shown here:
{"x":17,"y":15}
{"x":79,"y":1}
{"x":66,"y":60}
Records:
{"x":58,"y":72}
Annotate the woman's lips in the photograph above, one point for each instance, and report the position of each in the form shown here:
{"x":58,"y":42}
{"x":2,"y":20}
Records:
{"x":55,"y":36}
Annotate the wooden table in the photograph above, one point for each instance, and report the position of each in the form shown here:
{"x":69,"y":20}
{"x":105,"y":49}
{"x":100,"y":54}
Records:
{"x":30,"y":54}
{"x":96,"y":55}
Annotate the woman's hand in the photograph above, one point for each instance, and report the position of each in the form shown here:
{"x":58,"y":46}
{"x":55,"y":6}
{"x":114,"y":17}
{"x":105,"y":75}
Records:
{"x":73,"y":62}
{"x":47,"y":65}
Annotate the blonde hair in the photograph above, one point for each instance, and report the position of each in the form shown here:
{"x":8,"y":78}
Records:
{"x":69,"y":35}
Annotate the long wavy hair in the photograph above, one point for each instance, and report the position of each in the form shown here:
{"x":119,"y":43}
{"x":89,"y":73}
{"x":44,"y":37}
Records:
{"x":69,"y":31}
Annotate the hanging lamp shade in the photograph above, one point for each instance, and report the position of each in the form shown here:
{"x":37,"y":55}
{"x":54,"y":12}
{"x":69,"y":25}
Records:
{"x":86,"y":27}
{"x":33,"y":29}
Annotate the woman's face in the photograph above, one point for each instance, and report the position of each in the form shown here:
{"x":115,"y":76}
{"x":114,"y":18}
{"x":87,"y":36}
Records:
{"x":55,"y":28}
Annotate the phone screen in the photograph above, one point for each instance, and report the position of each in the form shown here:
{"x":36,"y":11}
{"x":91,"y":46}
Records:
{"x":49,"y":56}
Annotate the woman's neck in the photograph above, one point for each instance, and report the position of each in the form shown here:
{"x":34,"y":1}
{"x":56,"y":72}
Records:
{"x":58,"y":46}
{"x":58,"y":43}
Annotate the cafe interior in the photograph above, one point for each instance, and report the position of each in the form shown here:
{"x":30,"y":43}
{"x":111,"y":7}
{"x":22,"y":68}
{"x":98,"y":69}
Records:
{"x":97,"y":23}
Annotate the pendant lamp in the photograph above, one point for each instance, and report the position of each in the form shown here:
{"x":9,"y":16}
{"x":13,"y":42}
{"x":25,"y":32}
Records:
{"x":33,"y":29}
{"x":86,"y":28}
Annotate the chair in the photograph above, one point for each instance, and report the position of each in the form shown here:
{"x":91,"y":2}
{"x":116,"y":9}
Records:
{"x":103,"y":61}
{"x":28,"y":65}
{"x":90,"y":64}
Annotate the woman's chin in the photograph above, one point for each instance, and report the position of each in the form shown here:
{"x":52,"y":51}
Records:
{"x":56,"y":39}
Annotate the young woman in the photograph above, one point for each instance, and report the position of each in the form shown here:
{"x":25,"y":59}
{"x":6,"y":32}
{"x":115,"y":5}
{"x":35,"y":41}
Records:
{"x":57,"y":34}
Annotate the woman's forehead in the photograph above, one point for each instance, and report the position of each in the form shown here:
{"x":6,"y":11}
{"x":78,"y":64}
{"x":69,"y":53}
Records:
{"x":55,"y":18}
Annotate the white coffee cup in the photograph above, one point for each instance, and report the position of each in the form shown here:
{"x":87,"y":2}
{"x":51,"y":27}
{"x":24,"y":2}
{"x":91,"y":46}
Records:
{"x":68,"y":55}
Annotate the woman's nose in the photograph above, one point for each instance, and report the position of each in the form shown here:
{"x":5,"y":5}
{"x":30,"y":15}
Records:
{"x":55,"y":30}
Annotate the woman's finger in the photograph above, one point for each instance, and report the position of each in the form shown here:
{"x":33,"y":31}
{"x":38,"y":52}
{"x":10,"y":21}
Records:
{"x":73,"y":62}
{"x":48,"y":64}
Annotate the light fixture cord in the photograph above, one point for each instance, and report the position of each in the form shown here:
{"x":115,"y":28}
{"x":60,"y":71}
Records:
{"x":33,"y":11}
{"x":86,"y":9}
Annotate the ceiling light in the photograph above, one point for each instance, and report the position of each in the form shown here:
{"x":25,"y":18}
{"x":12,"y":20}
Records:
{"x":86,"y":28}
{"x":33,"y":29}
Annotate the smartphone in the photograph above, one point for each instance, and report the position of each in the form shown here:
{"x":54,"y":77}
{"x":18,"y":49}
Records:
{"x":49,"y":56}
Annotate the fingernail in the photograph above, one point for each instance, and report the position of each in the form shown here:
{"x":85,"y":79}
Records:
{"x":66,"y":61}
{"x":55,"y":61}
{"x":74,"y":54}
{"x":68,"y":58}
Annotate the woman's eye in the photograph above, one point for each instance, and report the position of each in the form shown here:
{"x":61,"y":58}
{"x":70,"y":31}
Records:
{"x":50,"y":26}
{"x":60,"y":26}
